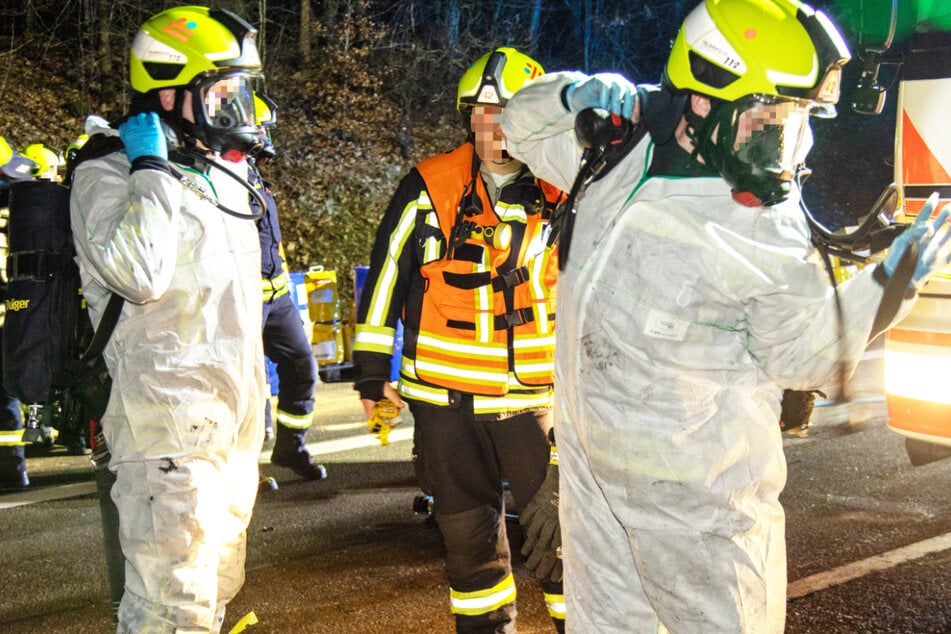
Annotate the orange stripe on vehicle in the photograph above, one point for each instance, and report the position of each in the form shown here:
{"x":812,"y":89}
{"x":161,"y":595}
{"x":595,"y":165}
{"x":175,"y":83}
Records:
{"x":923,"y":417}
{"x":920,"y":337}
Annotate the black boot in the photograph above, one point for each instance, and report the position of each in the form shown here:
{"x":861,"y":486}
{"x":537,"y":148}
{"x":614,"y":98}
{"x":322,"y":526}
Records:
{"x":74,"y":442}
{"x":18,"y":481}
{"x":289,"y":451}
{"x":13,"y":470}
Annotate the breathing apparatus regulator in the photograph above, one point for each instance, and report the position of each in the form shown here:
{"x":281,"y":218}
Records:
{"x":606,"y":138}
{"x":210,"y":60}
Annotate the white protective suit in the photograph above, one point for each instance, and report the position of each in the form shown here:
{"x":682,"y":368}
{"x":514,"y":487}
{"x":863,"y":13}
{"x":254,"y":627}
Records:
{"x":681,"y":317}
{"x":185,"y":417}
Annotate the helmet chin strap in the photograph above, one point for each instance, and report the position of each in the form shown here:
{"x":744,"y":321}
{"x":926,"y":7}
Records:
{"x":700,"y":132}
{"x":188,"y":132}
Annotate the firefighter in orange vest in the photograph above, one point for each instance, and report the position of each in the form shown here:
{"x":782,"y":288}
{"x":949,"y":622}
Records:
{"x":461,"y":256}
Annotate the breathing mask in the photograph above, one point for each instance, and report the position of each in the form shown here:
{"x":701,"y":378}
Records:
{"x":758,"y":143}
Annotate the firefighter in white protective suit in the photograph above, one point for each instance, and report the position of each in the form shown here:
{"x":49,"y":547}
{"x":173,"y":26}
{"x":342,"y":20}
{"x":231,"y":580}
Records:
{"x":164,"y":225}
{"x":688,"y":301}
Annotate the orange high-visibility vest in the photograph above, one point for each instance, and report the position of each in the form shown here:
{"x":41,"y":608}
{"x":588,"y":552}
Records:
{"x":489,"y":305}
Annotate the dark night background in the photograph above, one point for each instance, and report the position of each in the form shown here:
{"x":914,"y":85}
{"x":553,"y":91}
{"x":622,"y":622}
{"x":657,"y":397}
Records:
{"x":366,"y":88}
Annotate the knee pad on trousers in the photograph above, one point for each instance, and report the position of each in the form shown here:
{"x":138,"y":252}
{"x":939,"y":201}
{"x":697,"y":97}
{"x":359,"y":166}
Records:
{"x":477,"y":552}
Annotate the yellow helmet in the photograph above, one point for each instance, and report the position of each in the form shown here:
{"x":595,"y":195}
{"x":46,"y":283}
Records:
{"x":728,"y":49}
{"x":768,"y":66}
{"x":265,"y":114}
{"x":48,"y":159}
{"x":73,"y":148}
{"x":210,"y":53}
{"x":14,"y":166}
{"x":265,"y":110}
{"x":494,"y":78}
{"x":175,"y":46}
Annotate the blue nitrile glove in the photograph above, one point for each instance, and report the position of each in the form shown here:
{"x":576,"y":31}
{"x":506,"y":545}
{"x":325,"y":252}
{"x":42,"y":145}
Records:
{"x":607,"y":91}
{"x":142,"y":135}
{"x":932,"y":237}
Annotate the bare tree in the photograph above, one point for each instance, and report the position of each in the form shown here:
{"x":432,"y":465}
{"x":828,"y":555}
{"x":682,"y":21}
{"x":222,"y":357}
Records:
{"x":303,"y":43}
{"x":109,"y":81}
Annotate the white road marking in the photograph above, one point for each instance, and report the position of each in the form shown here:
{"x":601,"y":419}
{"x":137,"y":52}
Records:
{"x":848,"y":572}
{"x":47,"y":495}
{"x":346,"y":444}
{"x":65,"y":491}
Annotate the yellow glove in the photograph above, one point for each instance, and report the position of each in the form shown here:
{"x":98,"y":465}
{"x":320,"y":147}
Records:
{"x":383,"y":418}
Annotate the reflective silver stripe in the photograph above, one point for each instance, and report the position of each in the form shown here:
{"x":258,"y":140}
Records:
{"x":485,"y":319}
{"x":538,"y":266}
{"x":294,"y":421}
{"x":556,"y":605}
{"x":432,"y":246}
{"x":511,"y":212}
{"x":374,"y":339}
{"x":483,"y":601}
{"x":534,"y":342}
{"x":276,"y":286}
{"x":536,"y":368}
{"x":382,"y":295}
{"x":510,"y":402}
{"x":434,"y":396}
{"x":11,"y":438}
{"x":498,"y":351}
{"x":459,"y":372}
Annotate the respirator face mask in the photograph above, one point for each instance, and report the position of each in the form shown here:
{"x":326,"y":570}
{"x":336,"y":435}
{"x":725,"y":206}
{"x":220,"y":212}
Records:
{"x":224,"y":108}
{"x":773,"y":134}
{"x":761,"y":141}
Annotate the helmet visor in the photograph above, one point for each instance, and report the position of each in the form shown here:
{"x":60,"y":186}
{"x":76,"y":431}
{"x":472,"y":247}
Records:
{"x":771,"y":133}
{"x":227,"y":100}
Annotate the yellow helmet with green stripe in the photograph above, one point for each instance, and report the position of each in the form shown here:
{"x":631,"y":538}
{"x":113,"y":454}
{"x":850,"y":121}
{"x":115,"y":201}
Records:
{"x":175,"y":46}
{"x":494,"y":78}
{"x":728,"y":49}
{"x":209,"y":54}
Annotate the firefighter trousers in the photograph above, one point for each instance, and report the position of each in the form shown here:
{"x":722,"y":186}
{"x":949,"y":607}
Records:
{"x":463,"y":464}
{"x":12,"y":457}
{"x":287,"y":345}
